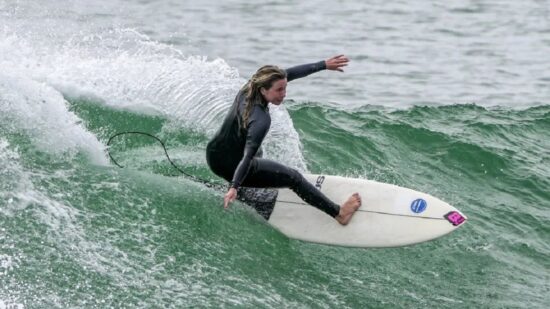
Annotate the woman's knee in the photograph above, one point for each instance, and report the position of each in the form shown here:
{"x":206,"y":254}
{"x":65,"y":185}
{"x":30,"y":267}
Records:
{"x":296,"y":178}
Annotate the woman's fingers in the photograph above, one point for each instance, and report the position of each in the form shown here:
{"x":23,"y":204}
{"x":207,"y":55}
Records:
{"x":226,"y":202}
{"x":229,"y":197}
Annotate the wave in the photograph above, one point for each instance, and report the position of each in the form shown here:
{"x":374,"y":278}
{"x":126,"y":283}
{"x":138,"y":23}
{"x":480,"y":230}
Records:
{"x":40,"y":112}
{"x":125,"y":70}
{"x":504,"y":147}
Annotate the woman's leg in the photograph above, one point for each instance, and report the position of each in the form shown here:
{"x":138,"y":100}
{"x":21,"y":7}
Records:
{"x":265,"y":173}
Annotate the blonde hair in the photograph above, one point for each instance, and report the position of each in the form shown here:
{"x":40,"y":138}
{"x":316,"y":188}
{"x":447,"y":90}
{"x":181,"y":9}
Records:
{"x":263,"y":78}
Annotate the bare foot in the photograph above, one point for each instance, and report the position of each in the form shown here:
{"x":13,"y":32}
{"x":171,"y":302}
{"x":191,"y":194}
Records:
{"x":348,"y":209}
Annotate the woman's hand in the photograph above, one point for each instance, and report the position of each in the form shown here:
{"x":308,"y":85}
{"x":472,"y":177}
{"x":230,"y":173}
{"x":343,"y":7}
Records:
{"x":336,"y":63}
{"x":229,"y":197}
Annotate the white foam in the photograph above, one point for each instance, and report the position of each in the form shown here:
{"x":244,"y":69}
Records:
{"x":6,"y":264}
{"x":18,"y":190}
{"x":41,"y":112}
{"x":283,"y":142}
{"x":125,"y":69}
{"x":14,"y":179}
{"x":10,"y":305}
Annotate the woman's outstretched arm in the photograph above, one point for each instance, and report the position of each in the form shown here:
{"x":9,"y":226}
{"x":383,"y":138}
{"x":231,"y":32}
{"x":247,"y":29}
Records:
{"x":335,"y":63}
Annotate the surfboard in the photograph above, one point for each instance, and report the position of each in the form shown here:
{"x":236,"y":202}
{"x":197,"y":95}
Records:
{"x":389,"y":216}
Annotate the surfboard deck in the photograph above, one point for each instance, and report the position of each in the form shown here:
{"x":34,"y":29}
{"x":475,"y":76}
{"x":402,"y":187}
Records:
{"x":389,"y":216}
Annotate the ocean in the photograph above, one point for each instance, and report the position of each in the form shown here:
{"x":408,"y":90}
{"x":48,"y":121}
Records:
{"x":451,"y":98}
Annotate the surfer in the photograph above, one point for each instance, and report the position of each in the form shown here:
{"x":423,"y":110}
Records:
{"x":234,"y":153}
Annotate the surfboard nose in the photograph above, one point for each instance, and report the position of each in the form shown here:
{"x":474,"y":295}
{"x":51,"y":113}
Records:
{"x":455,"y":217}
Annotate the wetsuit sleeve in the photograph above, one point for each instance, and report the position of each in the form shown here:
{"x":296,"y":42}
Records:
{"x":258,"y":126}
{"x":304,"y":70}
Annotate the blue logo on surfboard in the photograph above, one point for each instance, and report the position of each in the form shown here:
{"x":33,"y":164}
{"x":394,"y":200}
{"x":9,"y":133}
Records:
{"x":418,"y":206}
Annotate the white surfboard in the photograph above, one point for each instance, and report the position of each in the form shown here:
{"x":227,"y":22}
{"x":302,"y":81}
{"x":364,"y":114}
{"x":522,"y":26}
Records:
{"x":389,"y":216}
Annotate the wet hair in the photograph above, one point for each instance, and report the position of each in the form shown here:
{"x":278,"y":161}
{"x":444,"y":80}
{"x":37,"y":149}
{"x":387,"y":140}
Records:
{"x":263,"y":78}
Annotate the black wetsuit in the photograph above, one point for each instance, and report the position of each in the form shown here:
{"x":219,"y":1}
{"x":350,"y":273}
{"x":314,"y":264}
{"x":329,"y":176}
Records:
{"x":234,"y":153}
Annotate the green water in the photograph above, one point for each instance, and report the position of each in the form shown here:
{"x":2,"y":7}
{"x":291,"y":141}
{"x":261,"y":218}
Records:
{"x":76,"y":231}
{"x":77,"y":234}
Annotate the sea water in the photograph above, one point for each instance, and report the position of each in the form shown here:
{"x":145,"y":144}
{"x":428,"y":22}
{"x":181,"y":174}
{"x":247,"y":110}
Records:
{"x":451,"y":98}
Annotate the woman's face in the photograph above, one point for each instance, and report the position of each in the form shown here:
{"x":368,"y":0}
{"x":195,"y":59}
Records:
{"x":276,"y":93}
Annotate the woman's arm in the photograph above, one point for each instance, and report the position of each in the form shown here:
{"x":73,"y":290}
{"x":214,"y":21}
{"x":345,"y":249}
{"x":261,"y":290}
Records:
{"x":304,"y":70}
{"x":335,"y":63}
{"x":257,"y":129}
